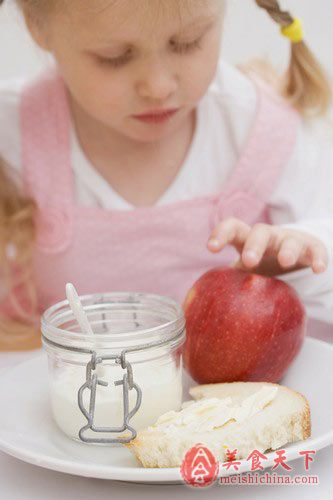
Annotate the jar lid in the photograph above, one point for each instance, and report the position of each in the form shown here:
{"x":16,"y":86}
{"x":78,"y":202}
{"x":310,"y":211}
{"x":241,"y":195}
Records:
{"x":120,"y":320}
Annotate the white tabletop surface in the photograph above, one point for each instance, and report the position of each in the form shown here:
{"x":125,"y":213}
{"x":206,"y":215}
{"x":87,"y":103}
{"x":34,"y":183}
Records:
{"x":20,"y":480}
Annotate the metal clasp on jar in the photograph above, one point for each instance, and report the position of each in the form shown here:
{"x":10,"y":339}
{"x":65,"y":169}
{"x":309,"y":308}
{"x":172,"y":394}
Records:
{"x":92,"y":381}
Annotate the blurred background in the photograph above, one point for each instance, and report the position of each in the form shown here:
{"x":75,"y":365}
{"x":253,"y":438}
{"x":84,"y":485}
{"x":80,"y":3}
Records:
{"x":249,"y":32}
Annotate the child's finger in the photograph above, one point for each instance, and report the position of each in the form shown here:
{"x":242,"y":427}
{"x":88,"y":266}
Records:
{"x":231,"y":230}
{"x":290,"y":251}
{"x":256,"y":244}
{"x":318,"y":257}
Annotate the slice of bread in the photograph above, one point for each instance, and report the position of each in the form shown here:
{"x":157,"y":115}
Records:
{"x":246,"y":416}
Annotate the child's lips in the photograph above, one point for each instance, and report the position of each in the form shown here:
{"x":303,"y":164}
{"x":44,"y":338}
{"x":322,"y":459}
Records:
{"x":156,"y":116}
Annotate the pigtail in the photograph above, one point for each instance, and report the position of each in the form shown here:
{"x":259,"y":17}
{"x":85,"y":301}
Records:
{"x":305,"y":83}
{"x":17,"y":237}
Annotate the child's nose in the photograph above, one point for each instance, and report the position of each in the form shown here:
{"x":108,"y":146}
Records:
{"x":157,"y":81}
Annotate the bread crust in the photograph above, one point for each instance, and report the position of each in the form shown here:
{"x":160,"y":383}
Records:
{"x":306,"y":420}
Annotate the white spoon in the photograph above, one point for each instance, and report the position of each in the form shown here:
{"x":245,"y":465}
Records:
{"x":80,"y":316}
{"x":77,"y":309}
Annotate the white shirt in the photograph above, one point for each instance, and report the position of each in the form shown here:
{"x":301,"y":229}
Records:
{"x":225,"y":115}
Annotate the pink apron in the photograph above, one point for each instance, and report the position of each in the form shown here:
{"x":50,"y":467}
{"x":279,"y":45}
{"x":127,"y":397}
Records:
{"x":157,"y":249}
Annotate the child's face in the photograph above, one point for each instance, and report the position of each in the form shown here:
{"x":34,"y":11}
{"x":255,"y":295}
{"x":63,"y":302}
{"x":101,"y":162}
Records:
{"x":128,"y":57}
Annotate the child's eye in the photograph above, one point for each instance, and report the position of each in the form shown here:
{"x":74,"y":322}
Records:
{"x":181,"y":48}
{"x":115,"y":62}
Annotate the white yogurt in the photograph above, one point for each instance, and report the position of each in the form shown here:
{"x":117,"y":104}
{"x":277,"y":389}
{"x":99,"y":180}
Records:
{"x":160,"y":382}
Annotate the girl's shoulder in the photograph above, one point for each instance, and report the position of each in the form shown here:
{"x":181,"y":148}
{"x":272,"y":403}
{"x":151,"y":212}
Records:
{"x":10,"y":98}
{"x":234,"y":94}
{"x":239,"y":86}
{"x":233,"y":87}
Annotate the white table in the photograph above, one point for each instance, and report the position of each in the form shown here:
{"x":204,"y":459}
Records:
{"x":22,"y":481}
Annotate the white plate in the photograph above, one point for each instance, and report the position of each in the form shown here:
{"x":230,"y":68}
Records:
{"x":27,"y":430}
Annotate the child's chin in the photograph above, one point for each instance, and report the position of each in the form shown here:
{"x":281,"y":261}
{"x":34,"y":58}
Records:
{"x":150,"y":133}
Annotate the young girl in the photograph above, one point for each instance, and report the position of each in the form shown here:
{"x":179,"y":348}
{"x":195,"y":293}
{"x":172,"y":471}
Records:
{"x":143,"y":160}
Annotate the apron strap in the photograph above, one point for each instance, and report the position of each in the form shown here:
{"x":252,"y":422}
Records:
{"x":264,"y":157}
{"x":47,"y":172}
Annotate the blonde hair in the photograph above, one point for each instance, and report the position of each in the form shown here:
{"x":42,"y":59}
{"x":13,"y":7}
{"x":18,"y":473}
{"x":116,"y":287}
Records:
{"x":305,"y":85}
{"x":17,"y":236}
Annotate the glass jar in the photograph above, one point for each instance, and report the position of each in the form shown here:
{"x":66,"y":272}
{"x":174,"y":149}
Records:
{"x":123,"y":377}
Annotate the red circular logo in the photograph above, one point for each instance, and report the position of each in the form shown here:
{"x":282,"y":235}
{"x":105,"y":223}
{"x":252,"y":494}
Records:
{"x":199,"y":467}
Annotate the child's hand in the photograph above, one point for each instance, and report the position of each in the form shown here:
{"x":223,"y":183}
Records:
{"x":269,"y":250}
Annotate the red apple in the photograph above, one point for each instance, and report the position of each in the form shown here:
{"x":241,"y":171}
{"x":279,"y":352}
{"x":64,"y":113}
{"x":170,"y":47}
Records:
{"x":241,"y":326}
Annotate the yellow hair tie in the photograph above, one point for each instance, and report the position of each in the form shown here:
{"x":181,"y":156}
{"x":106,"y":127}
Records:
{"x":294,"y":31}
